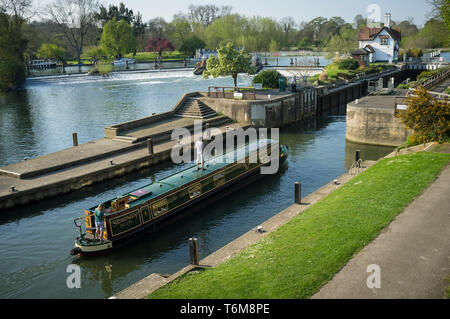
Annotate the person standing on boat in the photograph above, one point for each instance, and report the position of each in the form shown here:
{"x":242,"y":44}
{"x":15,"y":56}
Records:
{"x":99,"y":215}
{"x":294,"y":84}
{"x":199,"y":146}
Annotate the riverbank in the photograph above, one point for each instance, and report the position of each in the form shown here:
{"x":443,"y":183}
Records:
{"x":301,"y":256}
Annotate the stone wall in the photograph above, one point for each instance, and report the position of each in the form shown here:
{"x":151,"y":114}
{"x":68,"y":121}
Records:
{"x":276,"y":112}
{"x":377,"y":126}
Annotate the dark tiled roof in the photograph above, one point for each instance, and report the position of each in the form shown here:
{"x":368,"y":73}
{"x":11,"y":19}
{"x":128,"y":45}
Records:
{"x":369,"y":48}
{"x":360,"y":52}
{"x":368,"y":34}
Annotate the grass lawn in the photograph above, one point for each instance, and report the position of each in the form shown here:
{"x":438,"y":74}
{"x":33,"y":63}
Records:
{"x":304,"y":254}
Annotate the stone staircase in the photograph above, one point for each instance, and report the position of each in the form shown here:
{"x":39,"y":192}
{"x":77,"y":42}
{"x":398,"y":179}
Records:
{"x":195,"y":108}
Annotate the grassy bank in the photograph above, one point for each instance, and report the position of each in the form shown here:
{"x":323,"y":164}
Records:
{"x":302,"y":255}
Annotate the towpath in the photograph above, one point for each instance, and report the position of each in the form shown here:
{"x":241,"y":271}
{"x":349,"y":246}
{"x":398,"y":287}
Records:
{"x":413,"y":254}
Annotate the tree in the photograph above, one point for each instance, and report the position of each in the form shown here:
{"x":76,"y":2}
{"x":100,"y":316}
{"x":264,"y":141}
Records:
{"x":74,"y":19}
{"x":288,"y":24}
{"x":113,"y":12}
{"x":118,"y":38}
{"x":96,"y":53}
{"x":12,"y":43}
{"x":191,"y":45}
{"x":122,"y":13}
{"x":206,"y":14}
{"x":429,"y":118}
{"x":157,"y":27}
{"x":52,"y":51}
{"x":343,"y":42}
{"x":179,"y":30}
{"x":229,"y":62}
{"x":159,"y":45}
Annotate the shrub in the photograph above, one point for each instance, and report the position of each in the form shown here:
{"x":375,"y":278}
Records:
{"x":348,"y":64}
{"x":268,"y":79}
{"x":430,"y":119}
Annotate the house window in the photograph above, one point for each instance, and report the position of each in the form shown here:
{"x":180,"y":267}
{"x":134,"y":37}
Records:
{"x":384,"y":41}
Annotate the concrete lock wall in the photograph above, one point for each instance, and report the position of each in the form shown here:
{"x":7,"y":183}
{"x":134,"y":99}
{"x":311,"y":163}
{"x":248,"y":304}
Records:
{"x":276,"y":112}
{"x":375,"y":126}
{"x":115,"y":130}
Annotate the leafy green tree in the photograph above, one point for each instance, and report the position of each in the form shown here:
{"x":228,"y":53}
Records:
{"x":12,"y":47}
{"x":273,"y":47}
{"x":96,"y":53}
{"x":113,"y":12}
{"x":434,"y":34}
{"x":343,"y":42}
{"x":121,"y":12}
{"x":191,"y":45}
{"x":52,"y":51}
{"x":229,"y":62}
{"x":118,"y":38}
{"x":179,"y":31}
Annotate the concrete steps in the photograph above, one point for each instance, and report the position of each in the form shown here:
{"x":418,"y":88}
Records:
{"x":194,"y":108}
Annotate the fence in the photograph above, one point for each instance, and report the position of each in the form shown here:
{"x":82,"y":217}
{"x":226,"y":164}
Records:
{"x":246,"y":93}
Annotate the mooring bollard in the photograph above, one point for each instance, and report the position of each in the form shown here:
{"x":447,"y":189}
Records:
{"x":298,"y":193}
{"x":75,"y":139}
{"x":193,"y":250}
{"x":208,"y":132}
{"x":150,"y":146}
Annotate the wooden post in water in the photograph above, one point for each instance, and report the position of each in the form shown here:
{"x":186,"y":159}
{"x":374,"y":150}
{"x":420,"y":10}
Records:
{"x":150,"y":146}
{"x":193,"y":250}
{"x":75,"y":139}
{"x":298,"y":193}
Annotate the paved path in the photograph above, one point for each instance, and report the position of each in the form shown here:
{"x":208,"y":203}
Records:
{"x":413,"y":253}
{"x":442,"y":86}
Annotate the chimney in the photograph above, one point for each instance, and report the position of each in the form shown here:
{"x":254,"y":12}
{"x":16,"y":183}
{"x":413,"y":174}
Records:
{"x":387,"y":21}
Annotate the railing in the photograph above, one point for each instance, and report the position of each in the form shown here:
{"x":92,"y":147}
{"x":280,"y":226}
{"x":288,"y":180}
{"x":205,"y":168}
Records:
{"x":246,"y":93}
{"x":401,"y":103}
{"x":434,"y":79}
{"x":356,"y":167}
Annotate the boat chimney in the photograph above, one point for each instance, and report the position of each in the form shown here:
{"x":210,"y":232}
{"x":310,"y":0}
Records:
{"x":387,"y":21}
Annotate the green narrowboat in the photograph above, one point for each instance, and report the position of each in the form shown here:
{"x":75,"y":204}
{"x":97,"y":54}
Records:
{"x":148,"y":208}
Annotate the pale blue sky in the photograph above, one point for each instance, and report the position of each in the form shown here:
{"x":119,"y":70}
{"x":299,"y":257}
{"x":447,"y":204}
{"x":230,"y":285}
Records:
{"x":300,"y":10}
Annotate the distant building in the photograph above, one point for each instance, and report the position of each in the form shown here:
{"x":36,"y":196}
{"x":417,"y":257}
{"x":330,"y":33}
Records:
{"x":378,"y":44}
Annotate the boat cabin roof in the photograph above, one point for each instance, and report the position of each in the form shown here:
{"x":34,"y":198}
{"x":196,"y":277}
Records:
{"x":169,"y":183}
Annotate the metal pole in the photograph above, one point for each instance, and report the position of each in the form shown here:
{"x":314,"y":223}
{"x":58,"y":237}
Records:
{"x":75,"y":139}
{"x":150,"y":146}
{"x":193,"y":251}
{"x":298,"y":193}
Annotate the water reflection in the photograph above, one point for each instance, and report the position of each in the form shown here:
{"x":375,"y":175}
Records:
{"x":17,"y":123}
{"x":367,"y":152}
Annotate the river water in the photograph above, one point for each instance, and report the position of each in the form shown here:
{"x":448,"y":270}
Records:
{"x":36,"y":239}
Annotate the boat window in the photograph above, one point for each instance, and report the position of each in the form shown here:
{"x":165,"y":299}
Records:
{"x":195,"y":190}
{"x":219,"y":179}
{"x":120,"y":204}
{"x":145,"y":212}
{"x":160,"y":208}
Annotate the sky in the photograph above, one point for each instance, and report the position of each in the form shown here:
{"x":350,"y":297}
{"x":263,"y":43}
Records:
{"x":300,"y":10}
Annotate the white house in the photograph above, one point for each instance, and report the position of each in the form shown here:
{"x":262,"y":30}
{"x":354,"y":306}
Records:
{"x":378,"y":44}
